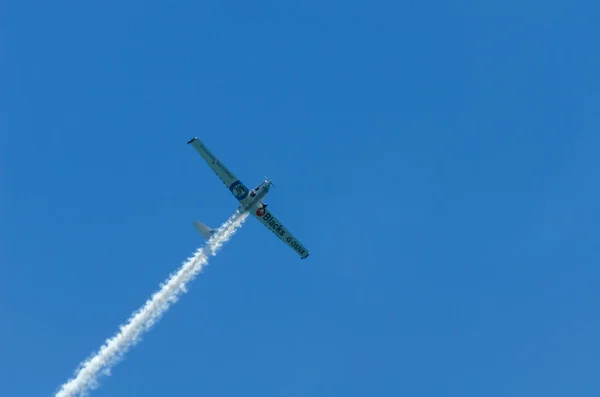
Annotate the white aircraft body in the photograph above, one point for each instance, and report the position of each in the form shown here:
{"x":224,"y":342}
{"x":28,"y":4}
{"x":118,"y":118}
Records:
{"x":250,"y":200}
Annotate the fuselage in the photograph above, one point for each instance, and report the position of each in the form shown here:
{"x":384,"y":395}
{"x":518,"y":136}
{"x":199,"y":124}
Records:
{"x":255,"y":197}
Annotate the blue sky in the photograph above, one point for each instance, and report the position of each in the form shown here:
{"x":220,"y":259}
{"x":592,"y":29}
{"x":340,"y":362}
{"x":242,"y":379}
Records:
{"x":439,"y":159}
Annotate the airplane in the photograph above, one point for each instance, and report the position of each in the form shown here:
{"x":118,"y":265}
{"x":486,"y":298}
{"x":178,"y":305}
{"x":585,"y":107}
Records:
{"x":250,"y":200}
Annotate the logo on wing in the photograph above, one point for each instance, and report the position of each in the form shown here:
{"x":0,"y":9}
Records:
{"x":239,"y":190}
{"x":277,"y":228}
{"x":260,"y":211}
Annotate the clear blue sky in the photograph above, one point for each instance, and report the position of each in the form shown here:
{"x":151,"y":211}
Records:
{"x":439,"y":159}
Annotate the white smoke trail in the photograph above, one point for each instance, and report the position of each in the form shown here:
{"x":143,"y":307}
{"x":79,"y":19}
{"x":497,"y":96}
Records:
{"x":88,"y":372}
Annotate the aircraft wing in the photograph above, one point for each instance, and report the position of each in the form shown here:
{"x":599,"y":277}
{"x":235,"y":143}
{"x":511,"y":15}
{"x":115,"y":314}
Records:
{"x":273,"y":224}
{"x":234,"y":185}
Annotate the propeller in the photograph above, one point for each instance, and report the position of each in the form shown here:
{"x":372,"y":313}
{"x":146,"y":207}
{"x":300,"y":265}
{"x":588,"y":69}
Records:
{"x":272,"y":184}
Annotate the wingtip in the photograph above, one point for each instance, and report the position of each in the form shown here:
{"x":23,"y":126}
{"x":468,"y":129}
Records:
{"x":192,"y":140}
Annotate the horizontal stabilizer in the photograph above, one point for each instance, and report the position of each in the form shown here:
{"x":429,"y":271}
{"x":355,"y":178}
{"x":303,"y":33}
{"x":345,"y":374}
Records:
{"x":204,"y":230}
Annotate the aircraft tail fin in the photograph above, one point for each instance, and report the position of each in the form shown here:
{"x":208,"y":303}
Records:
{"x":204,"y":230}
